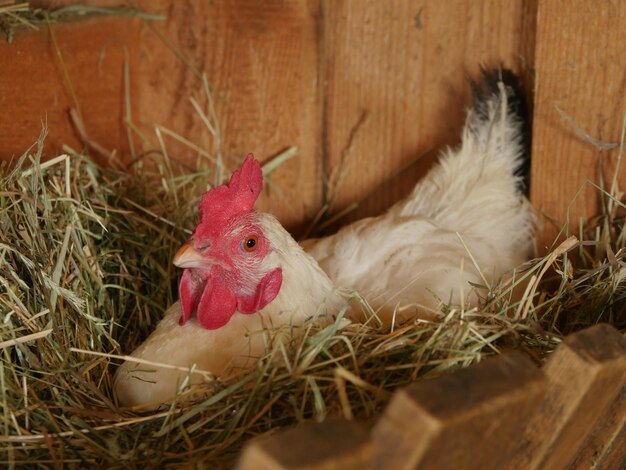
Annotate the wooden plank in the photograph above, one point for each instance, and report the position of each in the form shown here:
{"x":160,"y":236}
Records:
{"x":467,"y":419}
{"x":604,"y":439}
{"x":580,"y":68}
{"x":262,"y":59}
{"x":615,"y":454}
{"x":331,"y":445}
{"x":36,"y":90}
{"x":395,"y":75}
{"x":606,"y":445}
{"x":585,"y":374}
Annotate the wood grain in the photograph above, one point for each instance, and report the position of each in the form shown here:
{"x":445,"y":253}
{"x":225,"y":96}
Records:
{"x":615,"y":455}
{"x":331,"y":445}
{"x":305,"y":73}
{"x":477,"y":412}
{"x":35,"y":90}
{"x":605,"y":447}
{"x":404,"y":64}
{"x":606,"y":438}
{"x":581,"y":68}
{"x":585,"y":374}
{"x":289,"y":72}
{"x":262,"y":59}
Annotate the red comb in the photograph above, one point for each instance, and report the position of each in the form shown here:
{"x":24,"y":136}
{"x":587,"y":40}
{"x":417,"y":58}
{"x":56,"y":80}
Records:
{"x":220,"y":205}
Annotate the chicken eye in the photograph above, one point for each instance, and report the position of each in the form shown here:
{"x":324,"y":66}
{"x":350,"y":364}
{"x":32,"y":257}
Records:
{"x":251,"y":243}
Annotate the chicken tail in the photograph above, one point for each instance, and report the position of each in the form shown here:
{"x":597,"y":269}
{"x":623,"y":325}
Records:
{"x":477,"y":189}
{"x":500,"y":117}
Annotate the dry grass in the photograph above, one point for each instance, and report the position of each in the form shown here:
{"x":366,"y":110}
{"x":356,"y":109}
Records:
{"x":85,"y":265}
{"x":16,"y":15}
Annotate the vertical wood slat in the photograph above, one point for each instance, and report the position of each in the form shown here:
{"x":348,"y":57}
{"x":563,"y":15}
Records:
{"x":404,"y":64}
{"x":34,"y":89}
{"x":262,"y":60}
{"x":260,"y":57}
{"x":580,"y":67}
{"x":585,"y":374}
{"x":467,"y":419}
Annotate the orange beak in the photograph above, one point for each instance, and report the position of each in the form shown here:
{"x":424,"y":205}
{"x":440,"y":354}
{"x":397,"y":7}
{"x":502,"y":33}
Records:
{"x":188,"y":257}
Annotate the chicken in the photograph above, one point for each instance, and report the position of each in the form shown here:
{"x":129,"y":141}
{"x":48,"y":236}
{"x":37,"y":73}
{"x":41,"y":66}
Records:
{"x":243,"y":273}
{"x":466,"y":222}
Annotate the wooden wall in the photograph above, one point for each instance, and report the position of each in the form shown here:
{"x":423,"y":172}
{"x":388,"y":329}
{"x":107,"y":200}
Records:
{"x":580,"y":64}
{"x":375,"y":84}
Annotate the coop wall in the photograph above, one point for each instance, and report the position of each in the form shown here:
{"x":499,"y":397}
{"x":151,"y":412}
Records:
{"x":380,"y":86}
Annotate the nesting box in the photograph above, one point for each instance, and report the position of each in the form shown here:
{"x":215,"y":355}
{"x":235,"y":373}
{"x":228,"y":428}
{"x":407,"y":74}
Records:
{"x":365,"y":94}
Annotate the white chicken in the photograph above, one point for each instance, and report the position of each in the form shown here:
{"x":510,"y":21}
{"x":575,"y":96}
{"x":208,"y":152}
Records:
{"x":244,"y":272}
{"x":466,"y":222}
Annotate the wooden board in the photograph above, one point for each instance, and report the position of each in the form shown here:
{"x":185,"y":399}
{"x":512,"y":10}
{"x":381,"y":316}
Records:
{"x":319,"y":75}
{"x":501,"y":413}
{"x":605,"y":446}
{"x":261,"y":58}
{"x":395,"y":76}
{"x":585,"y":375}
{"x":39,"y":87}
{"x":331,"y":445}
{"x":478,"y":411}
{"x":607,"y":440}
{"x":615,"y":455}
{"x":386,"y":80}
{"x":580,"y":67}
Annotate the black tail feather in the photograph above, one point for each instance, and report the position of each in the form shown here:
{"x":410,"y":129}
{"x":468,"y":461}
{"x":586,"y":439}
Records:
{"x":517,"y":106}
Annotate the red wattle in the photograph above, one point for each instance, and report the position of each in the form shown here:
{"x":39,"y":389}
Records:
{"x":266,"y":291}
{"x":214,"y":302}
{"x":189,"y":291}
{"x":217,"y":304}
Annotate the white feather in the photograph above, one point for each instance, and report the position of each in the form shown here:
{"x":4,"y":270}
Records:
{"x":420,"y":252}
{"x":424,"y":250}
{"x":306,"y":292}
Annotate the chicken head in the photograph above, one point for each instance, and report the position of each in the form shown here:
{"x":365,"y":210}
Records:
{"x":225,"y":259}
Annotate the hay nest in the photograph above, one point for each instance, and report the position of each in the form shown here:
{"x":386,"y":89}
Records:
{"x":85,"y":274}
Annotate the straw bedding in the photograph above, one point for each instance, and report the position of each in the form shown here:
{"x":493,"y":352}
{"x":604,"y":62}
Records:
{"x":85,"y":274}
